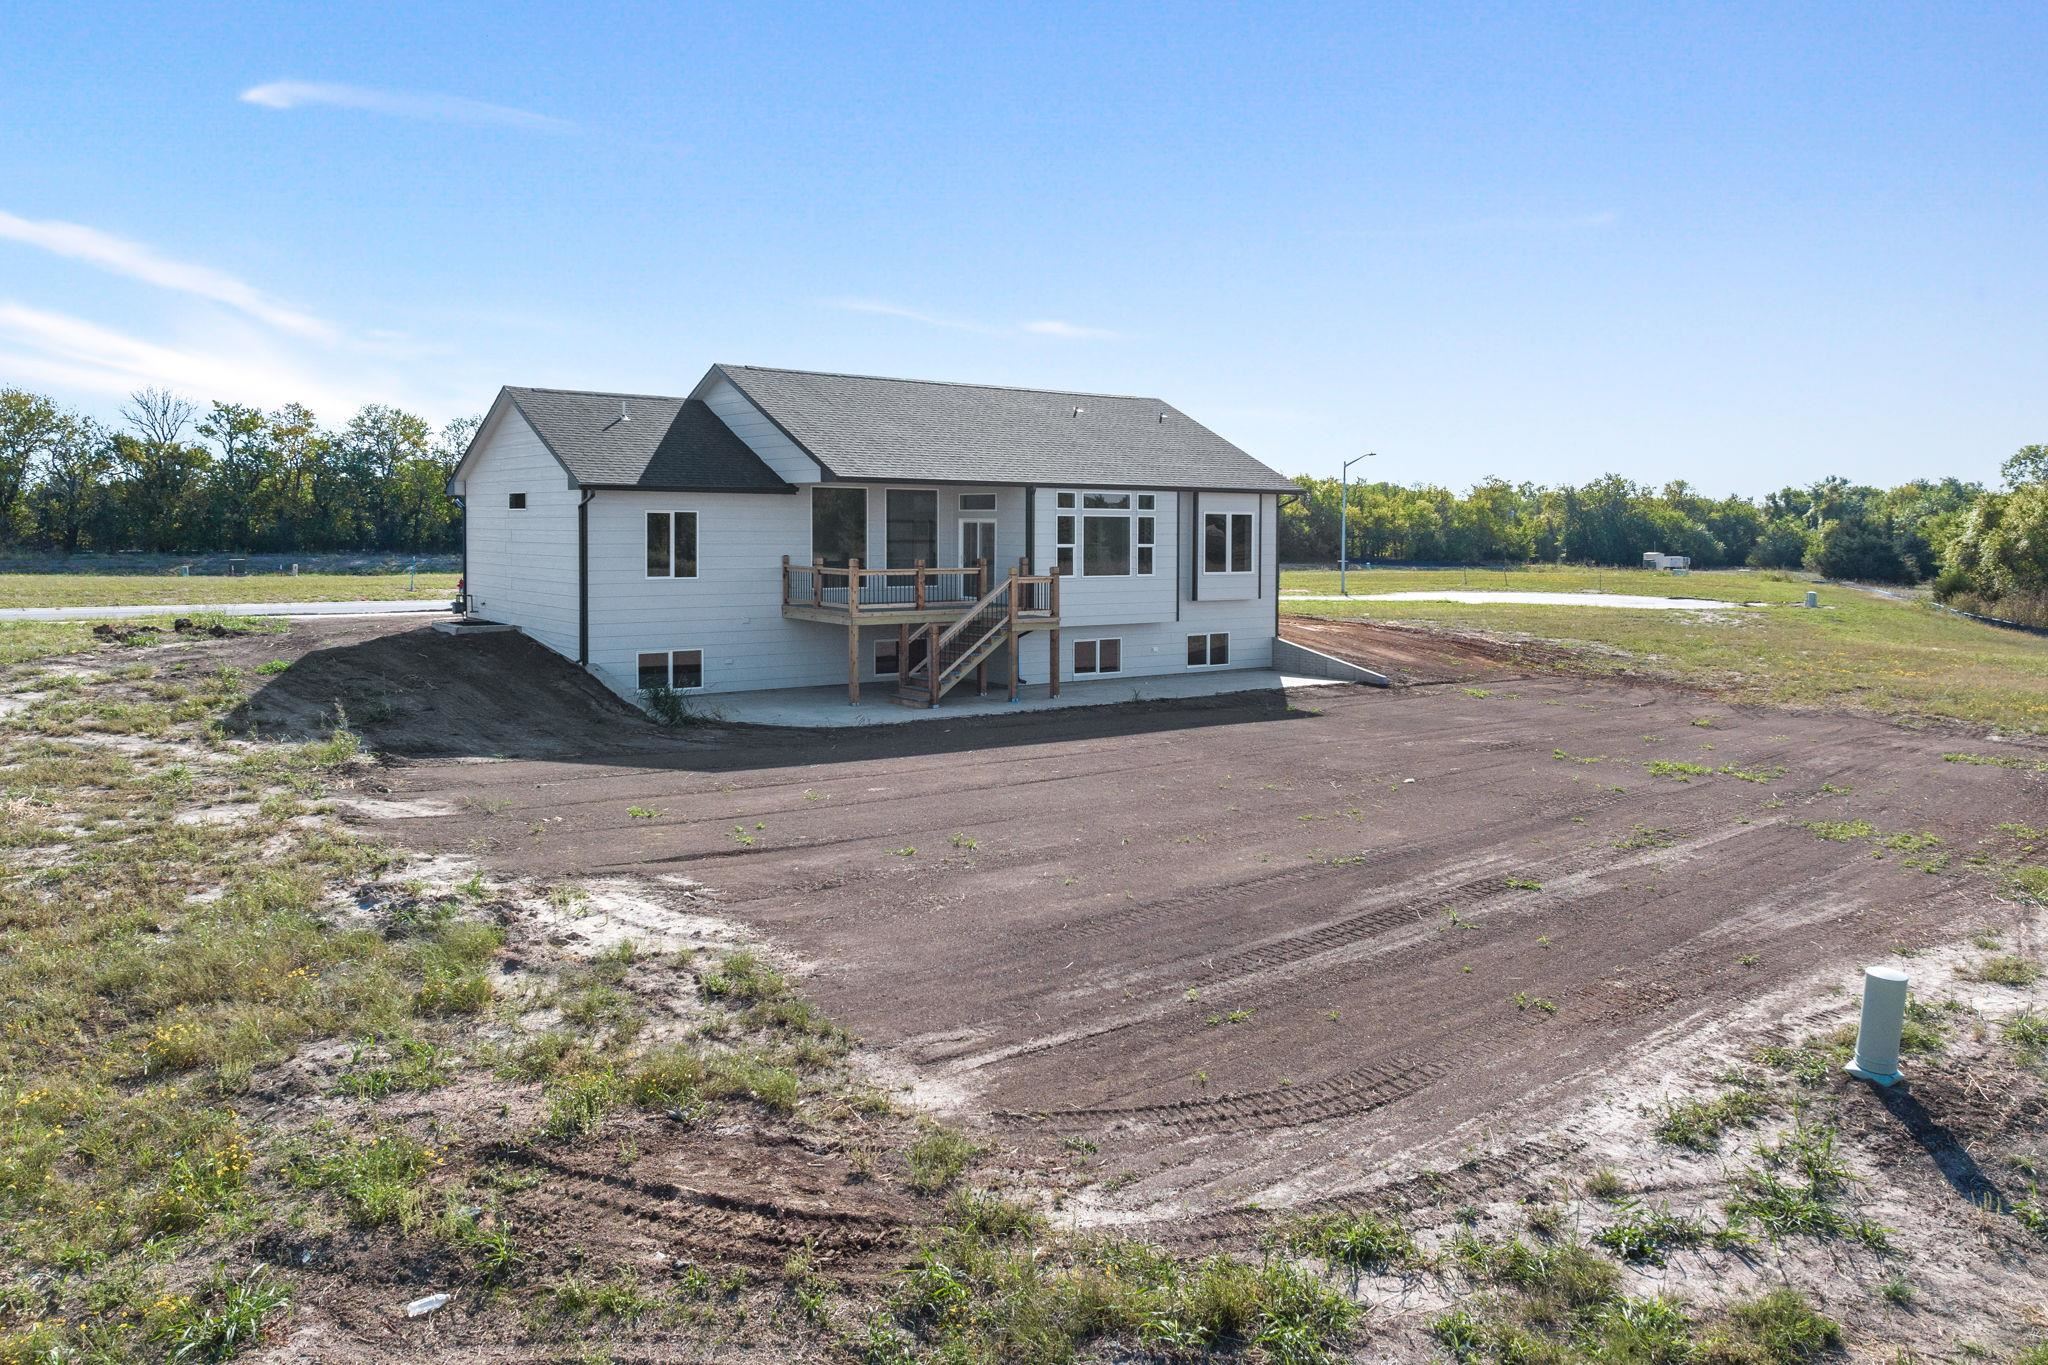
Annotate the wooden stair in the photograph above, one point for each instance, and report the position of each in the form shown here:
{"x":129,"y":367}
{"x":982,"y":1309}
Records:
{"x":964,"y":646}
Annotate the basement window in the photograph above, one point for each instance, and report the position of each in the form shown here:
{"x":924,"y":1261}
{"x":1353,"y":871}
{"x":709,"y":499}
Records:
{"x":680,"y":669}
{"x":1208,"y":651}
{"x":516,"y":501}
{"x":1098,"y":656}
{"x":671,"y":544}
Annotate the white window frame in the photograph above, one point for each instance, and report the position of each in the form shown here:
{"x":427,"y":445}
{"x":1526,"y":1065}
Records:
{"x":670,"y":656}
{"x":1098,"y":670}
{"x":696,"y":534}
{"x":967,"y":519}
{"x":1230,"y":545}
{"x":1073,"y":504}
{"x":1209,"y":639}
{"x":990,"y":509}
{"x":889,"y":642}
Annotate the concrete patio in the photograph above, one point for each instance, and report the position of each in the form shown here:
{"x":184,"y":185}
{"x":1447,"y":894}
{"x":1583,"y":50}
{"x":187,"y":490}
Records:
{"x":827,"y":707}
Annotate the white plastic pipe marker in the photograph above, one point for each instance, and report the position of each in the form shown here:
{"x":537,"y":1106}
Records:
{"x":1884,"y":1019}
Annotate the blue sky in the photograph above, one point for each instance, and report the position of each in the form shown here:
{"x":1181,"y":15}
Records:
{"x":1738,"y":245}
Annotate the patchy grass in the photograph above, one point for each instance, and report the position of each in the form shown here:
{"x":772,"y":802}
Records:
{"x":1699,"y":1125}
{"x":1875,"y":654}
{"x":1357,"y":1241}
{"x":938,"y":1158}
{"x":2006,"y":969}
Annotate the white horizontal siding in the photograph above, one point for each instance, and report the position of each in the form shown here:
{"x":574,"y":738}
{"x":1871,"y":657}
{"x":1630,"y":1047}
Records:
{"x":762,"y":436}
{"x":522,"y":564}
{"x":732,"y":610}
{"x":1155,"y":642}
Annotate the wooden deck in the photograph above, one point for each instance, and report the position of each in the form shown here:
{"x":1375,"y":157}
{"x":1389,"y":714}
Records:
{"x":934,"y":604}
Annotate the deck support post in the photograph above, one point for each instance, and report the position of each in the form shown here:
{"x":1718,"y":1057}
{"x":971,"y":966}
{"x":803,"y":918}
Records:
{"x":853,"y":632}
{"x":917,"y":579}
{"x":1015,"y":643}
{"x":785,"y":580}
{"x":817,"y":582}
{"x":1053,"y":641}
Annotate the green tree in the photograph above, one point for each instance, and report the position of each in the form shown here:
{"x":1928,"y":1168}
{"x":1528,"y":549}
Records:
{"x":1781,"y":545}
{"x":160,"y":469}
{"x":238,"y":431}
{"x":71,"y":486}
{"x":29,"y":423}
{"x":2028,"y":464}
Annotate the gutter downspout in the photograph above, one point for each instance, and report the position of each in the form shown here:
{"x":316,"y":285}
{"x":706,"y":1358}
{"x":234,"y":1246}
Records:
{"x":461,"y":501}
{"x":583,"y":579}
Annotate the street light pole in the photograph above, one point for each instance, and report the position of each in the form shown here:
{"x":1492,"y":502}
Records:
{"x":1344,"y":521}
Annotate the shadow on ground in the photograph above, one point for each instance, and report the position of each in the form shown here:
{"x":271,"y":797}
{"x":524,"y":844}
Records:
{"x":416,"y":693}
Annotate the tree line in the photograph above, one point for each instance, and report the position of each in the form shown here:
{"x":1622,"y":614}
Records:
{"x":1982,"y":548}
{"x":171,"y":477}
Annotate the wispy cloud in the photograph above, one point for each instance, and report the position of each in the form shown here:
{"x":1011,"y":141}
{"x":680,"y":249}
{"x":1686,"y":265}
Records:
{"x":39,"y":346}
{"x":417,"y":104}
{"x":1045,"y":327}
{"x":119,"y":256}
{"x":1068,"y":331}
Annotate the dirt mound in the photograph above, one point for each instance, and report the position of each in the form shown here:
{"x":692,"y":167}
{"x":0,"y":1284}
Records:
{"x":413,"y":691}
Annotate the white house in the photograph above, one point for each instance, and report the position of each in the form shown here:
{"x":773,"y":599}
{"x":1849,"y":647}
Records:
{"x":781,"y":528}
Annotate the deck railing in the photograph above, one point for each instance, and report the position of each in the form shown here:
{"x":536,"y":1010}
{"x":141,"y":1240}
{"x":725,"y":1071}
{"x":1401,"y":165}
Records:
{"x":853,"y":589}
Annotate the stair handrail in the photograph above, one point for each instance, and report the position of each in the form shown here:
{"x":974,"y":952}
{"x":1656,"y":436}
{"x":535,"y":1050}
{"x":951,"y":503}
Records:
{"x":987,"y":599}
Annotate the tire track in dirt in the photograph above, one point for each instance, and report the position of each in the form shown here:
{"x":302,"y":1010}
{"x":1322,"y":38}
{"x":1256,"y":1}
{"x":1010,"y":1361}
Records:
{"x":1356,"y":1092}
{"x":714,"y":1226}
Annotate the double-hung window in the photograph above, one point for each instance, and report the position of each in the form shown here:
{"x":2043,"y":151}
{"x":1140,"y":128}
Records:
{"x":1227,"y":542}
{"x":681,"y":669}
{"x":1105,"y":535}
{"x":671,"y":544}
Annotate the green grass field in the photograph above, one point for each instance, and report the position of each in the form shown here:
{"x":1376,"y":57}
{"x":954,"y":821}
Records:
{"x":143,"y":590}
{"x":1722,"y":585}
{"x":1905,"y":660}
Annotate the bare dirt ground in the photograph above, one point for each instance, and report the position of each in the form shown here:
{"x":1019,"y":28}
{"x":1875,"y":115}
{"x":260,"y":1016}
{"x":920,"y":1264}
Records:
{"x":1248,"y":954}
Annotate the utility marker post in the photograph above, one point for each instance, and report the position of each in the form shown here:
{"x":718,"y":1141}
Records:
{"x":1883,"y":1024}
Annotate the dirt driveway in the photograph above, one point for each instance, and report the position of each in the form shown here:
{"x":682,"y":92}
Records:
{"x":1251,"y":951}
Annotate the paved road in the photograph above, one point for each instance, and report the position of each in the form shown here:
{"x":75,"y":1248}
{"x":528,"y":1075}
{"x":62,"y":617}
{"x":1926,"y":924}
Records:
{"x":429,"y":605}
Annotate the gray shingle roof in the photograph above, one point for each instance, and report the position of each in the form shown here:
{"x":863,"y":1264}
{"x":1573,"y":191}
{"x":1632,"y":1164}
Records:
{"x":860,"y":427}
{"x":676,"y":444}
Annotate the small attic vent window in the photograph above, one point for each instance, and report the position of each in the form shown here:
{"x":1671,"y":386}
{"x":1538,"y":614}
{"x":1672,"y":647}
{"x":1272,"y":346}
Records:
{"x":516,"y":501}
